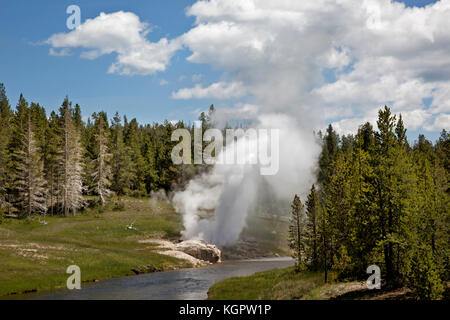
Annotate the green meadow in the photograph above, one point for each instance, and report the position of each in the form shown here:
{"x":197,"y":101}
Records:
{"x":104,"y":243}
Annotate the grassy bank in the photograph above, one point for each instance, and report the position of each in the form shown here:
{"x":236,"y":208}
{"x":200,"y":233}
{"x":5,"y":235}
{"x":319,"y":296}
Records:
{"x":268,"y":285}
{"x":286,"y":284}
{"x":34,"y":255}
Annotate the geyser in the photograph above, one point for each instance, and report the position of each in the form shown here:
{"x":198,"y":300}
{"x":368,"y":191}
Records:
{"x":230,"y":190}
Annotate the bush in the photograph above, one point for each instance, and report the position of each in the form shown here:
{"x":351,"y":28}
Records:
{"x":423,"y":276}
{"x":342,"y":263}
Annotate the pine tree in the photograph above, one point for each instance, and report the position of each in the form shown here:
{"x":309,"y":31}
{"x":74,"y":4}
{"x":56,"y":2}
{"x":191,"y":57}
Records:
{"x":77,"y":118}
{"x":133,"y":141}
{"x":395,"y":184}
{"x":443,"y":150}
{"x":400,"y":132}
{"x":425,"y":229}
{"x":30,"y":183}
{"x":89,"y":145}
{"x":40,"y":124}
{"x":324,"y":244}
{"x":72,"y":186}
{"x":339,"y":203}
{"x":328,"y":155}
{"x":384,"y":171}
{"x":152,"y":179}
{"x":122,"y":169}
{"x":312,"y":226}
{"x":362,"y":237}
{"x":15,"y":147}
{"x":6,"y":117}
{"x":295,"y":232}
{"x":167,"y":172}
{"x":386,"y":204}
{"x":53,"y":163}
{"x":102,"y":168}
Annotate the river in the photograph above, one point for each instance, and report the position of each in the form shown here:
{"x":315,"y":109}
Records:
{"x":184,"y":284}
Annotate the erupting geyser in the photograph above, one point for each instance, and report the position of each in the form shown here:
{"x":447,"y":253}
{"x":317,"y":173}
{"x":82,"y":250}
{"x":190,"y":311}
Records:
{"x":230,"y":190}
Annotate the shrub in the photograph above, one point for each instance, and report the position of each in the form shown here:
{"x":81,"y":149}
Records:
{"x":342,"y":263}
{"x":423,"y":276}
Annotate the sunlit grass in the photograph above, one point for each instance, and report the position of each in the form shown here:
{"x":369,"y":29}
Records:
{"x":278,"y":284}
{"x":34,"y":256}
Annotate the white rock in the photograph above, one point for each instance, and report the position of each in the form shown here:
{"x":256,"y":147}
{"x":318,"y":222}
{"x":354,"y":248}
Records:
{"x":200,"y":249}
{"x":195,"y":251}
{"x":184,"y":256}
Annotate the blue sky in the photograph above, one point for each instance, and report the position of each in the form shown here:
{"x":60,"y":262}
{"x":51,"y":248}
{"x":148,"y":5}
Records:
{"x":47,"y":79}
{"x":26,"y":65}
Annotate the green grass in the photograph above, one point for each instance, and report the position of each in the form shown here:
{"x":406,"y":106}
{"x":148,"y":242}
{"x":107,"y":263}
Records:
{"x":286,"y":284}
{"x":34,"y":256}
{"x":277,"y":284}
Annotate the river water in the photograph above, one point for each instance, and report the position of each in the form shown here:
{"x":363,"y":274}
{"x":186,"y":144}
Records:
{"x":177,"y":285}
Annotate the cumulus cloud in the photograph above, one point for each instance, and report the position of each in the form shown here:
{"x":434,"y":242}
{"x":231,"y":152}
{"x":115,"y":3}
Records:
{"x":377,"y":52}
{"x":218,"y":90}
{"x":121,"y":33}
{"x":442,"y":121}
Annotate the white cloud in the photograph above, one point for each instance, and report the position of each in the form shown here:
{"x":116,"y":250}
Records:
{"x":415,"y":119}
{"x":59,"y":53}
{"x":381,"y":52}
{"x":163,"y":82}
{"x":442,"y":121}
{"x":335,"y":58}
{"x":441,"y":98}
{"x":124,"y":34}
{"x":218,"y":90}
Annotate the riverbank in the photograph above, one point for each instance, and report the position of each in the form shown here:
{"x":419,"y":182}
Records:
{"x":105,"y":244}
{"x":279,"y":284}
{"x":182,"y":284}
{"x":286,"y":284}
{"x":113,"y":242}
{"x":282,"y":284}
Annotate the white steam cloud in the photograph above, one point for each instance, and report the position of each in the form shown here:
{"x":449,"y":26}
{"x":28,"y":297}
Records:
{"x":267,"y":57}
{"x":231,"y":190}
